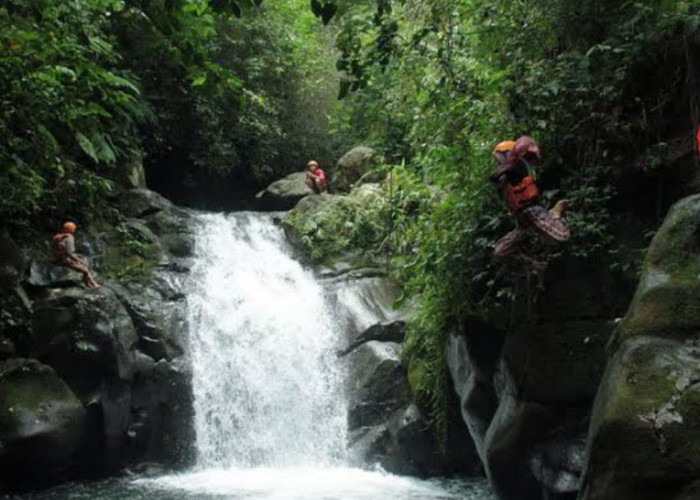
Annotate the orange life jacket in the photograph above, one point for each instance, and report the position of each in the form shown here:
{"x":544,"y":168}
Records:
{"x":522,"y":194}
{"x":59,"y":250}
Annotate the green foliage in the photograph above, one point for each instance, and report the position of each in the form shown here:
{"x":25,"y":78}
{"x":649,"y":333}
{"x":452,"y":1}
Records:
{"x":68,"y":108}
{"x":438,"y":83}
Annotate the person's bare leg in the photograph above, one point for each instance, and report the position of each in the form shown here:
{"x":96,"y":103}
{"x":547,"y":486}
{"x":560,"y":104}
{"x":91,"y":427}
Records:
{"x":81,"y":267}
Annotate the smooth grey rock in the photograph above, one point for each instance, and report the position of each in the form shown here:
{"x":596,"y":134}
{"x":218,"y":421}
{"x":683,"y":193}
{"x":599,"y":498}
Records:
{"x":383,"y":332}
{"x":356,"y":164}
{"x":48,"y":274}
{"x":284,"y":193}
{"x":41,"y":424}
{"x":142,"y":202}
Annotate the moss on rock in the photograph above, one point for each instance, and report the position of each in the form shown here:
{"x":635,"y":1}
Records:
{"x":666,"y":302}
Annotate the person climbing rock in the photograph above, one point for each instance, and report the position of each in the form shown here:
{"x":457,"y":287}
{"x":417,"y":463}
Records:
{"x":63,"y":246}
{"x":515,"y":178}
{"x":316,"y":178}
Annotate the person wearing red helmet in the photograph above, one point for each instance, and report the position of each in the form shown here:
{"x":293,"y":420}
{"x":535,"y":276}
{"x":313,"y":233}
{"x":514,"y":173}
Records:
{"x":63,"y":247}
{"x":515,"y":178}
{"x":316,"y":178}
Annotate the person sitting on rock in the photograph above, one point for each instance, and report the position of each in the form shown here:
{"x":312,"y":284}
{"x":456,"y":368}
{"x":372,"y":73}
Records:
{"x":515,"y":178}
{"x":316,"y":178}
{"x":63,"y":246}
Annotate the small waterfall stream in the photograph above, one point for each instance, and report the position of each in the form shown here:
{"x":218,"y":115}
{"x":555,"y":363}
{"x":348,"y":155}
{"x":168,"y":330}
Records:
{"x":268,"y":387}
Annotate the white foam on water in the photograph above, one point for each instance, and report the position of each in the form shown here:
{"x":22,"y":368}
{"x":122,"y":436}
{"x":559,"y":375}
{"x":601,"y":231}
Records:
{"x":299,"y":483}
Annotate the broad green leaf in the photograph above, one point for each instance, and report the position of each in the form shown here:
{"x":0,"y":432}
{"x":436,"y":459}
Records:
{"x":87,"y":146}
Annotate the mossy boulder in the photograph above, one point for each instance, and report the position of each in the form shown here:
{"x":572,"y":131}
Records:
{"x":130,"y":251}
{"x":645,"y":428}
{"x":284,"y":193}
{"x":358,"y":163}
{"x":666,"y":302}
{"x":41,"y":424}
{"x":332,"y":227}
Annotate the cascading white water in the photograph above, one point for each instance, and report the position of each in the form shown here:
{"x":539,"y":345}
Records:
{"x":267,"y":385}
{"x":270,"y":412}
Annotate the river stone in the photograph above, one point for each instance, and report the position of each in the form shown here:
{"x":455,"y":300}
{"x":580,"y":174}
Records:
{"x":642,"y":443}
{"x":284,"y":193}
{"x":378,"y":385}
{"x":41,"y":423}
{"x":48,"y":274}
{"x":356,"y":164}
{"x":666,"y":302}
{"x":382,"y":332}
{"x":472,"y":353}
{"x":85,"y":335}
{"x":557,"y":463}
{"x":142,"y":202}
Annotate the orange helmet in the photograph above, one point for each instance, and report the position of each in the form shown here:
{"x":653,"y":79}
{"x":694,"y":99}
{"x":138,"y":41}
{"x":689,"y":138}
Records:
{"x":69,"y":227}
{"x":312,"y":163}
{"x":504,"y":146}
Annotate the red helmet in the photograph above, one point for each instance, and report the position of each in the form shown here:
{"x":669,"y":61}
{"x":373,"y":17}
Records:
{"x":69,"y":227}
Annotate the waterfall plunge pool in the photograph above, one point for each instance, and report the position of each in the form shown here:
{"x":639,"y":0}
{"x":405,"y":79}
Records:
{"x":293,"y":483}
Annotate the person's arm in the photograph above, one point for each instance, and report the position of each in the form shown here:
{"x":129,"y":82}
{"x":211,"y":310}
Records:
{"x":499,"y":176}
{"x":69,"y":247}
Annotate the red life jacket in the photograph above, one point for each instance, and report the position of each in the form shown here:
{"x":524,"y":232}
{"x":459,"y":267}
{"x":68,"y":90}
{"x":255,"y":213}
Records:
{"x":523,"y":194}
{"x":59,"y":250}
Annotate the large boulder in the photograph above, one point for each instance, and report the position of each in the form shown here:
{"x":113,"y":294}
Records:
{"x":41,"y":424}
{"x":525,"y":393}
{"x":356,"y":164}
{"x":666,"y":302}
{"x":387,"y":427}
{"x":645,"y":417}
{"x":142,"y":202}
{"x":645,"y":427}
{"x":284,"y":193}
{"x":49,"y":274}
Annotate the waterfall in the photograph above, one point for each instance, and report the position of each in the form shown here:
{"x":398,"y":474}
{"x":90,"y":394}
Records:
{"x":270,"y":409}
{"x":267,"y":385}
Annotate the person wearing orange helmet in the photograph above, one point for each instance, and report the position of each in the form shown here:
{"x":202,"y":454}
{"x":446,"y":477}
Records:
{"x":63,"y":247}
{"x":316,"y":178}
{"x":515,"y":178}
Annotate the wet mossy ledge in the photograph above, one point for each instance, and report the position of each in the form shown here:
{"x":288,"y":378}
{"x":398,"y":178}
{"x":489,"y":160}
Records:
{"x":93,"y":382}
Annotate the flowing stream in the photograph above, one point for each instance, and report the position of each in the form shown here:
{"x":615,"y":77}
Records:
{"x":270,"y":410}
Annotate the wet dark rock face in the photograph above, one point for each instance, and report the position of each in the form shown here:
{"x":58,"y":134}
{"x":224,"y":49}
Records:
{"x":526,"y":394}
{"x":94,"y":381}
